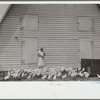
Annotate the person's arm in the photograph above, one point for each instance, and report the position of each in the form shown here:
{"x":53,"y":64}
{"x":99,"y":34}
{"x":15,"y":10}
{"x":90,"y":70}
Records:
{"x":44,"y":54}
{"x":39,"y":53}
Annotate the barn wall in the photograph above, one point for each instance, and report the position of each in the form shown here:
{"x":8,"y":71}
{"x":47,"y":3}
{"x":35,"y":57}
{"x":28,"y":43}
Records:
{"x":58,"y":33}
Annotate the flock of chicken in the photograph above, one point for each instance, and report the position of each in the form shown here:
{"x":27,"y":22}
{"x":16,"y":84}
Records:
{"x":49,"y":73}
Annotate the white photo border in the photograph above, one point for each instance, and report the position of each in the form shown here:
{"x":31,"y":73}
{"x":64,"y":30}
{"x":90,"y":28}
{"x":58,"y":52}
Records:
{"x":50,"y":90}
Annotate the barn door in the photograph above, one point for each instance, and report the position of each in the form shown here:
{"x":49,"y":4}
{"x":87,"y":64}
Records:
{"x":29,"y":50}
{"x":85,"y":48}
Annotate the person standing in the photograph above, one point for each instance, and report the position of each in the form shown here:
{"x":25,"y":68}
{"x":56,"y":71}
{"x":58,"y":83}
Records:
{"x":41,"y":55}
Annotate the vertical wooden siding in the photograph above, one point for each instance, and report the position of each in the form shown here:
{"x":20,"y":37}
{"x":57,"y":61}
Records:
{"x":58,"y":33}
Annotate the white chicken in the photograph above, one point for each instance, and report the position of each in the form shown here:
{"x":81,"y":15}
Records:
{"x":79,"y":68}
{"x":50,"y":77}
{"x":15,"y":75}
{"x":33,"y":75}
{"x":59,"y":75}
{"x":38,"y":74}
{"x":98,"y":75}
{"x":67,"y":70}
{"x":43,"y":73}
{"x":44,"y":77}
{"x":73,"y":74}
{"x":83,"y":69}
{"x":19,"y":74}
{"x":86,"y":74}
{"x":7,"y":77}
{"x":64,"y":76}
{"x":30,"y":76}
{"x":54,"y":77}
{"x":22,"y":75}
{"x":81,"y":74}
{"x":62,"y":69}
{"x":69,"y":73}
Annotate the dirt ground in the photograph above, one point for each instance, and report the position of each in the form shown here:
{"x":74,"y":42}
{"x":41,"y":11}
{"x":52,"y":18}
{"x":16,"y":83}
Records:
{"x":67,"y":79}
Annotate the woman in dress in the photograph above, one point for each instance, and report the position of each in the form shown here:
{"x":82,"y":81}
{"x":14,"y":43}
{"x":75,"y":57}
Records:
{"x":41,"y":55}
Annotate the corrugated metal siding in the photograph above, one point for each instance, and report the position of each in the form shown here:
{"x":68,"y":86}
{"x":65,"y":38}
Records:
{"x":58,"y":33}
{"x":96,"y":43}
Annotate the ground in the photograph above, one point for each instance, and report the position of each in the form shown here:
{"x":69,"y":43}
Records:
{"x":67,"y":79}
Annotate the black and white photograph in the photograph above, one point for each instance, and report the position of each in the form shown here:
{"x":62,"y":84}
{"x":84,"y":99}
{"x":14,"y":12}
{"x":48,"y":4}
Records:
{"x":49,"y":42}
